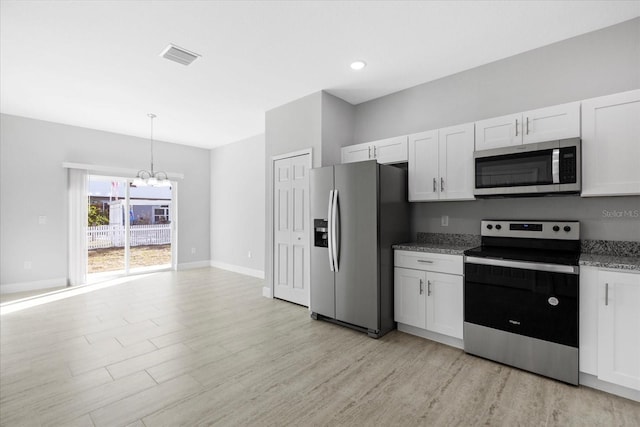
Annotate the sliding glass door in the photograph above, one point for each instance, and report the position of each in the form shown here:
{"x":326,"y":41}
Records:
{"x":129,"y":228}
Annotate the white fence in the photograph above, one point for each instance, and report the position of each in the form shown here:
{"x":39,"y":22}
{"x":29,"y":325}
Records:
{"x":108,"y":236}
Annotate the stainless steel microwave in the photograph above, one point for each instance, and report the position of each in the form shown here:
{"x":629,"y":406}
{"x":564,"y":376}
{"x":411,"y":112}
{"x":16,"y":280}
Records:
{"x":529,"y":169}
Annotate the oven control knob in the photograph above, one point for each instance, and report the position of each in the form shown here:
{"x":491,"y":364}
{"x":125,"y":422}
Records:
{"x":556,"y":228}
{"x":498,"y":226}
{"x":567,"y":228}
{"x":489,"y":226}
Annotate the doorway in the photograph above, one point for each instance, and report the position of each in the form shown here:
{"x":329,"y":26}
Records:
{"x":291,"y":229}
{"x":129,"y":228}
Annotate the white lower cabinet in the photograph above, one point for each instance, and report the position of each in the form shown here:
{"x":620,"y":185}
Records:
{"x":409,"y":304}
{"x":428,"y":299}
{"x":610,"y":326}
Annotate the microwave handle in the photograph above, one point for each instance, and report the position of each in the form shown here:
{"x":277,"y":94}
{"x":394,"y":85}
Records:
{"x":555,"y":165}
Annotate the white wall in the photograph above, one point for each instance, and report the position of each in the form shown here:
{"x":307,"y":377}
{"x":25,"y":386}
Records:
{"x":237,"y":206}
{"x":34,"y":183}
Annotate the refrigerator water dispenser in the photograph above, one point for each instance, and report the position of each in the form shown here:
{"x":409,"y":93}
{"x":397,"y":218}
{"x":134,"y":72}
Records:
{"x":320,"y":230}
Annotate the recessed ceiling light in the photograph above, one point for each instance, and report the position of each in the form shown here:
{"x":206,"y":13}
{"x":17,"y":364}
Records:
{"x":358,"y":65}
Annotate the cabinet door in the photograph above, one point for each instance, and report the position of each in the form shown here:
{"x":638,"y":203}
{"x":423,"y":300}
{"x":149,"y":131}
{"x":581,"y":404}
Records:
{"x":456,"y":162}
{"x":423,"y":166}
{"x":408,"y":296}
{"x":357,"y":153}
{"x":619,"y":328}
{"x":392,"y":150}
{"x":499,"y":132}
{"x":611,"y":145}
{"x":444,"y":304}
{"x":588,"y":323}
{"x":550,"y":123}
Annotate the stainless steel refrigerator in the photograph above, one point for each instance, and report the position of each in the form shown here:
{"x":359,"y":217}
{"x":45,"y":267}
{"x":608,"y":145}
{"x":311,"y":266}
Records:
{"x":359,"y":210}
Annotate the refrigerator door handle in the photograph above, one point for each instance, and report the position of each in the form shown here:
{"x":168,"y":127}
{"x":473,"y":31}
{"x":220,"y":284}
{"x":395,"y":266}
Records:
{"x":335,"y":238}
{"x":330,"y":227}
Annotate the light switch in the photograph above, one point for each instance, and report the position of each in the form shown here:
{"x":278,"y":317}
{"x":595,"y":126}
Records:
{"x":42,"y":219}
{"x":444,"y":221}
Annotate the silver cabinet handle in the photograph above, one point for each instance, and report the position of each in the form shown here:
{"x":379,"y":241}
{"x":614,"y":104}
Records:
{"x":428,"y":287}
{"x":606,"y":294}
{"x":441,"y":184}
{"x":426,"y":261}
{"x":421,"y":287}
{"x":527,"y":125}
{"x":434,"y":185}
{"x":516,"y":127}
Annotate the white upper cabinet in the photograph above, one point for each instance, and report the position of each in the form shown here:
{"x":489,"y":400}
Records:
{"x":499,"y":132}
{"x":550,"y":123}
{"x":544,"y":124}
{"x":611,"y":145}
{"x":441,"y":164}
{"x":456,"y":162}
{"x":385,"y":151}
{"x":423,"y":166}
{"x":356,"y":153}
{"x":391,"y":150}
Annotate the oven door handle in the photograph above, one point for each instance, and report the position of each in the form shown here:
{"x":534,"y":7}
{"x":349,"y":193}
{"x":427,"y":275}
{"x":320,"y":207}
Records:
{"x":554,"y":268}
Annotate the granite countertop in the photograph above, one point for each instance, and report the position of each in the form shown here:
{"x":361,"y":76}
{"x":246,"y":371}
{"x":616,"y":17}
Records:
{"x":434,"y":248}
{"x":622,"y":255}
{"x":631,"y":263}
{"x":441,"y":243}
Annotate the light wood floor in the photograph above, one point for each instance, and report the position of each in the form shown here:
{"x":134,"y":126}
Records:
{"x":203,"y":347}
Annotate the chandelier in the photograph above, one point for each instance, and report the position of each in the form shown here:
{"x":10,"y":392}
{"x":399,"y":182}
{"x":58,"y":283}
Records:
{"x":150,"y":177}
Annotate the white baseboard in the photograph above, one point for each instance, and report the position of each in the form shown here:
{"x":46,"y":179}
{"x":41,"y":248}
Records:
{"x":266,"y":292}
{"x":193,"y":265}
{"x":238,"y":269}
{"x":593,"y":382}
{"x":36,"y":285}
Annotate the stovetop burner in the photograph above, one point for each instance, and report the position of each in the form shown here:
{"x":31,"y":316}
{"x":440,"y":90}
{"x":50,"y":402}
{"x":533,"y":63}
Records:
{"x":549,"y":242}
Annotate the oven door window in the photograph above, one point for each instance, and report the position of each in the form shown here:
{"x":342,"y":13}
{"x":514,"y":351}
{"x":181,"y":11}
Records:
{"x":536,"y":304}
{"x":511,"y":170}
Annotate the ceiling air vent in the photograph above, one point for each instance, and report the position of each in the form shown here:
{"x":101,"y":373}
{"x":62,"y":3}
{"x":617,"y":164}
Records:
{"x":177,"y":54}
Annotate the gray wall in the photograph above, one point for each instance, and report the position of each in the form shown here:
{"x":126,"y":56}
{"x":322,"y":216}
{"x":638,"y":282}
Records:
{"x":338,"y":118}
{"x":33,"y":183}
{"x":237,"y":203}
{"x":319,"y":121}
{"x":598,"y":63}
{"x":291,"y":127}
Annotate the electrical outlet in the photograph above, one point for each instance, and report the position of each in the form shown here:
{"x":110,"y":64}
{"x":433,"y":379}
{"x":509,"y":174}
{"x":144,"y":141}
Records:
{"x":28,"y":265}
{"x":444,"y":221}
{"x":249,"y":254}
{"x":42,"y":219}
{"x":193,"y":251}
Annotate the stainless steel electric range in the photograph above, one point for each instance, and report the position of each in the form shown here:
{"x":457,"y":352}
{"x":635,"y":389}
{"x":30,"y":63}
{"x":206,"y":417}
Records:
{"x":521,"y":295}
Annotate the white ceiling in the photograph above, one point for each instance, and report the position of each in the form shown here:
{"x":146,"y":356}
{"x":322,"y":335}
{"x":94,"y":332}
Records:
{"x":97,"y":65}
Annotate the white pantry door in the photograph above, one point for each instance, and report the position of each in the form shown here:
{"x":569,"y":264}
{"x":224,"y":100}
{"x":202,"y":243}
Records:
{"x":291,"y":229}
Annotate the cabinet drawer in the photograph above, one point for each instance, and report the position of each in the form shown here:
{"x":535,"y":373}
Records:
{"x":440,"y":263}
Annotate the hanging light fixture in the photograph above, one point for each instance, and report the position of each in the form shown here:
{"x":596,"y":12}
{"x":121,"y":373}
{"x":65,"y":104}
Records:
{"x":150,"y":177}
